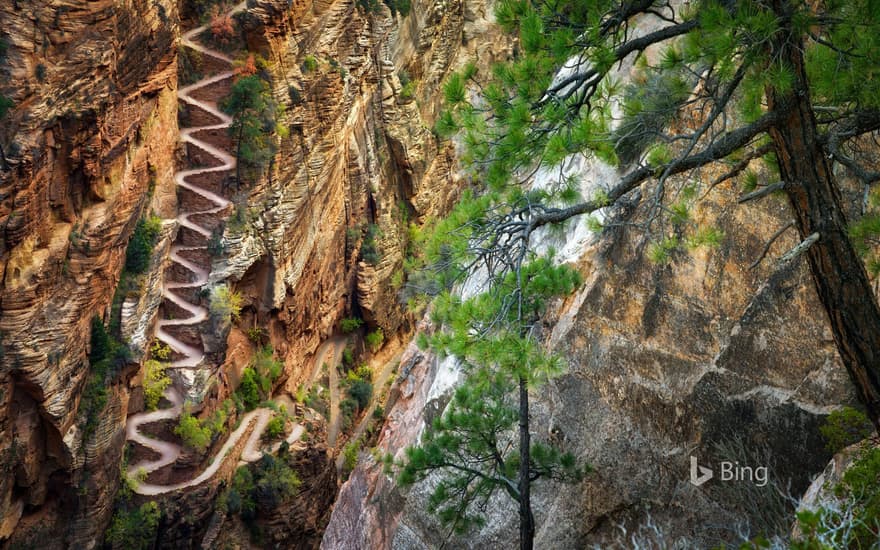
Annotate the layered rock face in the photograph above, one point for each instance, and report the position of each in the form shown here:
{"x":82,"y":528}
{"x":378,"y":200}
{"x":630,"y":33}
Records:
{"x":87,"y":148}
{"x":359,"y":164}
{"x":701,"y":358}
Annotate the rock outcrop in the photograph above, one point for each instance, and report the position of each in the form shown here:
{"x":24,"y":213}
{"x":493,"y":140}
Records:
{"x":702,"y":358}
{"x":358,"y":165}
{"x":88,"y":148}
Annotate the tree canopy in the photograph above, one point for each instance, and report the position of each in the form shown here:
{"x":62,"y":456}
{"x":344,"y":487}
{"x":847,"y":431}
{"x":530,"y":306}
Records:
{"x":254,"y":117}
{"x":784,"y":89}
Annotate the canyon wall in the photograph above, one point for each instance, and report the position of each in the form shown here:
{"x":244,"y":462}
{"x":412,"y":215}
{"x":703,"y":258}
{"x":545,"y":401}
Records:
{"x":701,"y":357}
{"x":360,"y":152}
{"x":87,"y":149}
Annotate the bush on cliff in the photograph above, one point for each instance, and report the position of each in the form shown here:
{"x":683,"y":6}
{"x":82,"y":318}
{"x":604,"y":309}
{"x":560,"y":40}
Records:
{"x":258,"y":489}
{"x":134,"y":529}
{"x":155,"y":383}
{"x":225,"y":304}
{"x":194,"y":433}
{"x":140,"y":247}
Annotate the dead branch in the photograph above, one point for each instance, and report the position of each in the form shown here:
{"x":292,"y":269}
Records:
{"x":772,"y":240}
{"x":762,"y":192}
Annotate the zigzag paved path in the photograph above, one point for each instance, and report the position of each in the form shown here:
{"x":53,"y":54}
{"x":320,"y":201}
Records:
{"x":169,"y":452}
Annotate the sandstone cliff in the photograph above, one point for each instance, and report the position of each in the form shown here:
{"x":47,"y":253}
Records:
{"x":89,"y":148}
{"x":91,"y":133}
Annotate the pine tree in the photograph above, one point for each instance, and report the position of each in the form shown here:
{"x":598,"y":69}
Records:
{"x":793,"y":84}
{"x":254,"y":112}
{"x":482,"y":442}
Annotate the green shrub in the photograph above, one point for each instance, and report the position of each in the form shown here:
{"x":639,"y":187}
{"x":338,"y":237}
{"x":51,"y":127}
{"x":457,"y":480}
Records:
{"x":347,"y":357}
{"x":5,"y":105}
{"x":155,"y":383}
{"x":403,"y":76}
{"x":274,"y":428}
{"x":375,"y":340}
{"x":238,"y":499}
{"x":140,"y":247}
{"x":249,"y":389}
{"x":408,"y":90}
{"x":301,"y":394}
{"x":217,"y":421}
{"x":368,"y":6}
{"x":402,"y":7}
{"x":364,"y":372}
{"x":350,"y":324}
{"x":260,"y":488}
{"x":295,"y":95}
{"x":256,"y":334}
{"x":107,"y":357}
{"x":258,"y":378}
{"x":193,"y":432}
{"x":101,"y":344}
{"x":225,"y":303}
{"x":309,"y":64}
{"x":369,"y":253}
{"x":350,"y":456}
{"x":844,"y":427}
{"x":361,"y":391}
{"x":853,"y":522}
{"x":134,"y":529}
{"x":267,"y":368}
{"x":160,"y":351}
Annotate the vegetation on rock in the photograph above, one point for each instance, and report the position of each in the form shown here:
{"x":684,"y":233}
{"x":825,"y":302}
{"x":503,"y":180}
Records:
{"x":140,"y":247}
{"x":257,"y":379}
{"x":225,"y":303}
{"x":259,"y":489}
{"x":155,"y":383}
{"x":850,"y":517}
{"x":255,"y":115}
{"x":107,"y":357}
{"x":482,"y":442}
{"x":740,"y":84}
{"x":194,"y":433}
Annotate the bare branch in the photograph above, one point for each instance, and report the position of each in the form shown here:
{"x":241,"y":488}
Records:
{"x":772,"y":240}
{"x":762,"y":192}
{"x":802,"y":247}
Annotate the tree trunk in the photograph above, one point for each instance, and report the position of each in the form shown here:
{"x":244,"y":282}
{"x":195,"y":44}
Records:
{"x":238,"y":156}
{"x":838,"y":273}
{"x":526,"y":520}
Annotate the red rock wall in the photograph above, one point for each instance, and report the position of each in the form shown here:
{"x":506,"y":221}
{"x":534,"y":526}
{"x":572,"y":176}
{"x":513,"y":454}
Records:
{"x":92,"y":131}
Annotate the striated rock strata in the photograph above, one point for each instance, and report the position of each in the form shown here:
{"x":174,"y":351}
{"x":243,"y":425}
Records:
{"x":358,"y":154}
{"x":87,"y":149}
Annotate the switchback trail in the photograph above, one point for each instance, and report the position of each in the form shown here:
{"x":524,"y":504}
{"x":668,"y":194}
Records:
{"x":253,"y":422}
